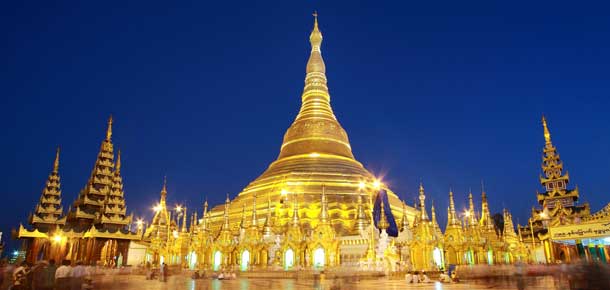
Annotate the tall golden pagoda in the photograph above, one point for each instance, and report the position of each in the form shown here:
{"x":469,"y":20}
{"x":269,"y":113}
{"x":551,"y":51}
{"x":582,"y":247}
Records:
{"x":315,"y":154}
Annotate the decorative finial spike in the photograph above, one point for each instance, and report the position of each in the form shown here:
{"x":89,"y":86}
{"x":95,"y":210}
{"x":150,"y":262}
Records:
{"x":109,"y":129}
{"x":547,"y":133}
{"x":315,"y":38}
{"x":56,"y":162}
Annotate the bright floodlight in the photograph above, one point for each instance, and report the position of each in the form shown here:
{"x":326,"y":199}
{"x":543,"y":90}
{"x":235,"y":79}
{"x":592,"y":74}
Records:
{"x":361,"y":185}
{"x":283,"y":192}
{"x":377,"y":184}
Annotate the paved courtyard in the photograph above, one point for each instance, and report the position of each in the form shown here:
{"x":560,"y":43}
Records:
{"x":129,"y":282}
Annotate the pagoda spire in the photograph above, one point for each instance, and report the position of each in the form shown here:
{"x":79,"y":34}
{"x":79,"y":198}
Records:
{"x":452,"y":219}
{"x":90,"y":204}
{"x":56,"y":162}
{"x":422,"y":205}
{"x":509,"y":227}
{"x":267,"y":230}
{"x":383,"y":223}
{"x":226,"y":214}
{"x":302,"y":138}
{"x":242,"y":224}
{"x":435,"y":226}
{"x":159,"y":226}
{"x":295,"y":213}
{"x":204,"y":225}
{"x":485,"y":220}
{"x":163,"y":201}
{"x":184,"y":220}
{"x":472,"y":219}
{"x":404,"y":220}
{"x":361,"y":222}
{"x":109,"y":130}
{"x":324,"y":211}
{"x":48,"y":210}
{"x":547,"y":133}
{"x":554,"y":180}
{"x":254,"y":218}
{"x":114,"y":211}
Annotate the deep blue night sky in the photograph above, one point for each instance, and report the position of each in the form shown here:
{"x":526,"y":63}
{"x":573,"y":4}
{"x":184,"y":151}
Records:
{"x":447,"y":93}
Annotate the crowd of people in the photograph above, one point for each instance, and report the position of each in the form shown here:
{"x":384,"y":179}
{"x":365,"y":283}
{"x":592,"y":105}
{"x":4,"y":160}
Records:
{"x":46,"y":275}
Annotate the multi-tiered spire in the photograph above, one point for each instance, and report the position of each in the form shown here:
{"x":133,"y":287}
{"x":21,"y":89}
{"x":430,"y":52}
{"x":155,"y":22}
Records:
{"x":159,"y":226}
{"x":267,"y":227}
{"x":324,"y":211}
{"x":452,"y":219}
{"x":89,"y":206}
{"x":435,"y":226}
{"x":554,"y":180}
{"x":486,"y":222}
{"x":404,"y":222}
{"x":422,"y":204}
{"x":361,"y":220}
{"x":49,"y":210}
{"x":114,"y":211}
{"x":471,"y":215}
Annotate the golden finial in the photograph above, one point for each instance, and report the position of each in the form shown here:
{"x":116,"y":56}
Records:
{"x":118,"y":162}
{"x":109,"y":130}
{"x":422,"y":198}
{"x":547,"y":134}
{"x":164,"y":190}
{"x":383,"y":220}
{"x":316,"y":36}
{"x":56,"y":162}
{"x":324,"y":212}
{"x":295,"y":214}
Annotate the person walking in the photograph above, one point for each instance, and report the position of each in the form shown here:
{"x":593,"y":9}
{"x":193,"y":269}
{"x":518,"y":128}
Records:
{"x":62,"y":276}
{"x":48,"y":274}
{"x":38,"y":275}
{"x":162,"y":272}
{"x":77,"y":276}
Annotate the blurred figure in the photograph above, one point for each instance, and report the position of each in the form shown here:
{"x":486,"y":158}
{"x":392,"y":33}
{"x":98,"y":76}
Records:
{"x":62,"y":276}
{"x":409,"y":277}
{"x":162,"y":272}
{"x":78,"y":275}
{"x":38,"y":275}
{"x":20,"y":277}
{"x":444,"y":278}
{"x":49,"y":275}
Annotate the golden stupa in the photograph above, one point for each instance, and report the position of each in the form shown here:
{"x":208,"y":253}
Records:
{"x":315,"y":156}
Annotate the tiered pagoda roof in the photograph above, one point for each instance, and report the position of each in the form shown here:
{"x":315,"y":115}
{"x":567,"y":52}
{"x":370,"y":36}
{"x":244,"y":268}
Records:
{"x":89,"y":206}
{"x":48,"y":212}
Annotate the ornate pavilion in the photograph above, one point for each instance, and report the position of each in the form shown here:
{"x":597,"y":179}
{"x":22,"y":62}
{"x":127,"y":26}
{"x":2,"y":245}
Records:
{"x":95,"y":228}
{"x":562,"y":229}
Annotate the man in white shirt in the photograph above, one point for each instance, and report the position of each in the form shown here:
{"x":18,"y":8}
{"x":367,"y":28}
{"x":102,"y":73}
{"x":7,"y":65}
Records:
{"x":62,"y":276}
